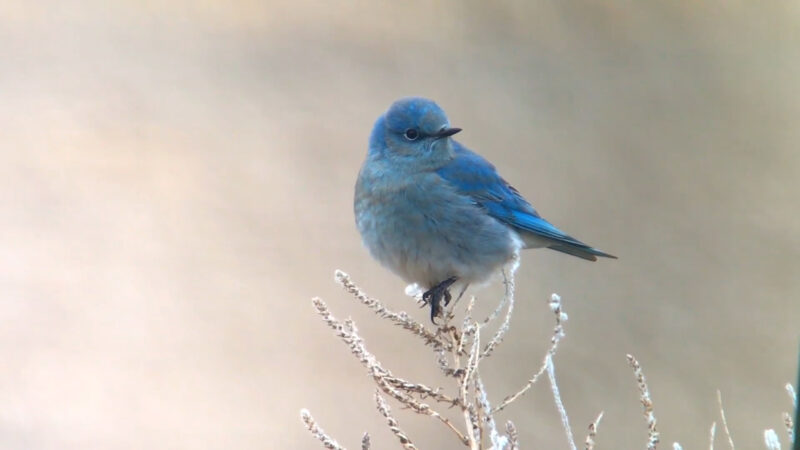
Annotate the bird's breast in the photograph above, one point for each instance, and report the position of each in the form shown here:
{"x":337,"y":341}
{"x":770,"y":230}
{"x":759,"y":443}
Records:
{"x":425,"y":231}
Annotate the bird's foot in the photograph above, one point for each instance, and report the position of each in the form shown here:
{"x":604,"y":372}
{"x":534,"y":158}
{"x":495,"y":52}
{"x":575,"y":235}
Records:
{"x":436,"y":294}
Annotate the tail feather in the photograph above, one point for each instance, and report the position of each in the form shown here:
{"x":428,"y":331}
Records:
{"x":587,"y":253}
{"x":537,"y":232}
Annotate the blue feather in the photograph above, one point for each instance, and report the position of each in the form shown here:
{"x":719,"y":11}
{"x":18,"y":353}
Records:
{"x":474,"y":176}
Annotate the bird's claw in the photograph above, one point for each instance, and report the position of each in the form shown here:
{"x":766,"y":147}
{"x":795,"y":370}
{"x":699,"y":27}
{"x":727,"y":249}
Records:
{"x":436,"y":294}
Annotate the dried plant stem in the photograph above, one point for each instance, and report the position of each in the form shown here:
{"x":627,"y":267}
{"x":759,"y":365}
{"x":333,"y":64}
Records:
{"x":459,"y":351}
{"x":711,"y":434}
{"x":485,"y":415}
{"x":365,"y":443}
{"x":787,"y":417}
{"x":402,"y":319}
{"x":562,"y":412}
{"x":327,"y":441}
{"x":508,"y":298}
{"x":593,"y":431}
{"x":647,"y":403}
{"x":558,"y":333}
{"x":422,"y":390}
{"x":771,"y":440}
{"x":724,"y":420}
{"x":513,"y":435}
{"x":348,"y":333}
{"x":384,"y":409}
{"x":421,"y":408}
{"x":470,"y":419}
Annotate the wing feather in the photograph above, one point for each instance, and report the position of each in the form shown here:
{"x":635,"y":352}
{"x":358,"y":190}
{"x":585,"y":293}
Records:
{"x":476,"y":177}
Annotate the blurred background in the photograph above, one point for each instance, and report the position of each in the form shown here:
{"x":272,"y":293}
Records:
{"x":176,"y":183}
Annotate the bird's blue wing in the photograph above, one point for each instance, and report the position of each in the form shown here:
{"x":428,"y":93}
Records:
{"x":472,"y":175}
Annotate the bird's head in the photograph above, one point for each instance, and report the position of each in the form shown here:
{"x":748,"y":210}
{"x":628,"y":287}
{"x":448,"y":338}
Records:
{"x":413,"y":129}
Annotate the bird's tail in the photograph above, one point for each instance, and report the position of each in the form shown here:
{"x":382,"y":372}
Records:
{"x":537,"y":232}
{"x":553,"y":238}
{"x":581,"y":251}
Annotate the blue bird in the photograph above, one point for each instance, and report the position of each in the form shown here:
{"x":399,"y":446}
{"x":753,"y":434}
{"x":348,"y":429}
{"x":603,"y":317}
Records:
{"x":436,"y":213}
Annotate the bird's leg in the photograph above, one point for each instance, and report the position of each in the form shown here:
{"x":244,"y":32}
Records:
{"x":436,"y":294}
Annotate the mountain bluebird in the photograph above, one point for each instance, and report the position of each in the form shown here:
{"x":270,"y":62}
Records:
{"x":434,"y":212}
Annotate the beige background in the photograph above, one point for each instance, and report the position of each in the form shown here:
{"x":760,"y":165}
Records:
{"x":176,"y":184}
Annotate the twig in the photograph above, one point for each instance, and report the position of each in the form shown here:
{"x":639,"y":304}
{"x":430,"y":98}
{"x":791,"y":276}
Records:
{"x":468,"y":410}
{"x":441,"y":361}
{"x":724,"y":421}
{"x":419,"y":408}
{"x":551,"y":374}
{"x":349,"y":334}
{"x":384,"y":409}
{"x":771,"y":440}
{"x":459,"y":352}
{"x":711,"y":434}
{"x":327,"y":441}
{"x":365,"y":443}
{"x":787,"y":418}
{"x":511,"y":268}
{"x":593,"y":431}
{"x":508,"y":297}
{"x":789,"y":424}
{"x":513,"y":436}
{"x":498,"y":440}
{"x":422,"y":390}
{"x":647,"y":403}
{"x":399,"y":318}
{"x":558,"y":334}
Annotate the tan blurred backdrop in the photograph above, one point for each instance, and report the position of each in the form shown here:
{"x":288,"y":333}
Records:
{"x":176,"y":184}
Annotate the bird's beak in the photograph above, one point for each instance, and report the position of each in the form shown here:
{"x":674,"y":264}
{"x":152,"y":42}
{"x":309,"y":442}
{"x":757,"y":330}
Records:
{"x":447,"y":132}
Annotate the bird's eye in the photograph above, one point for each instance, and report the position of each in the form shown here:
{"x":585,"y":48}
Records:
{"x":411,"y":134}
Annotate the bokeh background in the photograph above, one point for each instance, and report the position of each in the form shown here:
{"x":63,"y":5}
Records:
{"x":176,"y":184}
